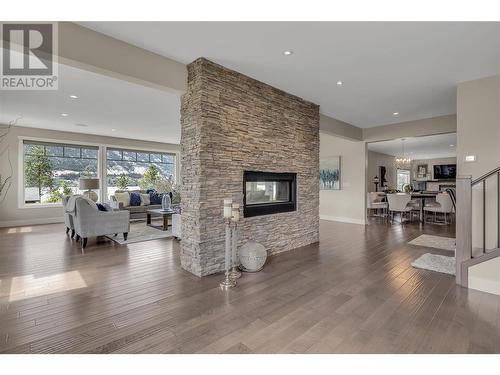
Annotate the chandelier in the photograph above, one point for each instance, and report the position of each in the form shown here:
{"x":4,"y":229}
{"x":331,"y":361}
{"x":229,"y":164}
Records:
{"x":402,"y":162}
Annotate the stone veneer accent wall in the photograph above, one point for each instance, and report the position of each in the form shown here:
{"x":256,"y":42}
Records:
{"x":231,"y":123}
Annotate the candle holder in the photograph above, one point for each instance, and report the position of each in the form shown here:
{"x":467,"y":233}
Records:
{"x":235,"y":274}
{"x":228,"y":282}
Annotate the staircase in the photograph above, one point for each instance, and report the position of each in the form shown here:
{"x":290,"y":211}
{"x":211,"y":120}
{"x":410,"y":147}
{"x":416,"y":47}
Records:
{"x":478,"y":232}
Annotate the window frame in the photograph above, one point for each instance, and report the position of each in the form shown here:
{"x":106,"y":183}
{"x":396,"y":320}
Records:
{"x":137,"y":150}
{"x":101,"y":165}
{"x":407,"y":172}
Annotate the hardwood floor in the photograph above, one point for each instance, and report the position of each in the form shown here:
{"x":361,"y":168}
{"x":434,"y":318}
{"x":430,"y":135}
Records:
{"x":354,"y":292}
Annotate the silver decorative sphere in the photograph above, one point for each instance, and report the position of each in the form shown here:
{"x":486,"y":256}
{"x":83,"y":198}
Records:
{"x":252,"y":256}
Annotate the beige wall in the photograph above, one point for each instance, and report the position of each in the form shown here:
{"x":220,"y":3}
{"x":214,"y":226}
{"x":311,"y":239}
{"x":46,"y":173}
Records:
{"x":87,"y":49}
{"x":478,"y":133}
{"x":478,"y":125}
{"x":430,"y":165}
{"x":418,"y":128}
{"x":347,"y":204}
{"x":485,"y":276}
{"x":10,"y":212}
{"x":376,"y":159}
{"x":339,"y":128}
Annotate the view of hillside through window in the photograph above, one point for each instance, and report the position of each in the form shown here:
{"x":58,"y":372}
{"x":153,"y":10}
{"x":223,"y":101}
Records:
{"x":135,"y":170}
{"x":52,"y":170}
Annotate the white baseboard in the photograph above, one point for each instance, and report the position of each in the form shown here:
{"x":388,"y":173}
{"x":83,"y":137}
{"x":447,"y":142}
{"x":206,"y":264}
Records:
{"x":19,"y":223}
{"x":342,"y":219}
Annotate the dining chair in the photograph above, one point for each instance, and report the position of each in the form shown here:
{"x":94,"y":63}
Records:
{"x":444,"y":205}
{"x":374,"y":202}
{"x":399,"y":203}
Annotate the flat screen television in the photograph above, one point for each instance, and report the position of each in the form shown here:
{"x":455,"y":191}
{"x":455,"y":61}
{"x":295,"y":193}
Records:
{"x":445,"y":171}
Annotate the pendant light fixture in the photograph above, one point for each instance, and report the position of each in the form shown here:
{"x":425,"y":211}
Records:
{"x":402,"y":162}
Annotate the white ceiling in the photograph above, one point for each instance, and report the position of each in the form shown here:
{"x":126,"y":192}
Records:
{"x":417,"y":148}
{"x":103,"y":104}
{"x":408,"y":67}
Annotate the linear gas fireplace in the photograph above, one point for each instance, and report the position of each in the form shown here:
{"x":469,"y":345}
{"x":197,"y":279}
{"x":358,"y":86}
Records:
{"x":266,"y":193}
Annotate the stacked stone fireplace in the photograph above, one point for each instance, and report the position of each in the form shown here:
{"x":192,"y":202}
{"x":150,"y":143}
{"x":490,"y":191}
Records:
{"x":232,"y":123}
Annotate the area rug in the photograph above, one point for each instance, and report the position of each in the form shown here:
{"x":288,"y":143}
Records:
{"x":437,"y":263}
{"x":437,"y":242}
{"x":140,"y":232}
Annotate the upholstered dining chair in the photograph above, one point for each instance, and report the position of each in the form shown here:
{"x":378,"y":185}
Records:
{"x":444,"y":205}
{"x":399,"y":202}
{"x":374,"y":203}
{"x":453,"y":196}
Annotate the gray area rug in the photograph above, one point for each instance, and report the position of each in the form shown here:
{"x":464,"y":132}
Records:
{"x":140,"y":232}
{"x":437,"y":263}
{"x":437,"y":242}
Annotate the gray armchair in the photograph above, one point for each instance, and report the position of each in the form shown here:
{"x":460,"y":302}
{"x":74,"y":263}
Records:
{"x":68,"y":215}
{"x":90,"y":222}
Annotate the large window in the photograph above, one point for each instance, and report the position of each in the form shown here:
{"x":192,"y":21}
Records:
{"x":52,"y":170}
{"x":403,"y":178}
{"x":132,"y":169}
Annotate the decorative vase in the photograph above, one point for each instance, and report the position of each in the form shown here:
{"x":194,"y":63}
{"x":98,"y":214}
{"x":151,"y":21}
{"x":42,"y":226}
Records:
{"x":166,"y":202}
{"x":253,"y":255}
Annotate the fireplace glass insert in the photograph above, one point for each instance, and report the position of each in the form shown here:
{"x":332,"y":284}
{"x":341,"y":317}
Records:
{"x":267,"y":193}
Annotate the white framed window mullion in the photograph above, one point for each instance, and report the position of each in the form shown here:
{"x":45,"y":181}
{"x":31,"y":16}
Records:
{"x":102,"y":172}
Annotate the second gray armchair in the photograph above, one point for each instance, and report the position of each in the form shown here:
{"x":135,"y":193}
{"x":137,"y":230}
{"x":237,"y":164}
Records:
{"x":90,"y":222}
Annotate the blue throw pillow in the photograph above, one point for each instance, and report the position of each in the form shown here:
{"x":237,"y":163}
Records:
{"x":101,"y":207}
{"x":135,"y":199}
{"x":155,"y":198}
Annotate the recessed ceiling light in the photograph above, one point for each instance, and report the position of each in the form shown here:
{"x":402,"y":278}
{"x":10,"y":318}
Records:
{"x":113,"y":130}
{"x":340,"y":83}
{"x":73,"y":97}
{"x":64,"y":114}
{"x":288,"y":53}
{"x":395,"y":113}
{"x":82,"y":125}
{"x":452,"y":145}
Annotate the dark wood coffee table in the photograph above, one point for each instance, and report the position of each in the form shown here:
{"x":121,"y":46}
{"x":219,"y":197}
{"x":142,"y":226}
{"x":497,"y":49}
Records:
{"x":159,"y":212}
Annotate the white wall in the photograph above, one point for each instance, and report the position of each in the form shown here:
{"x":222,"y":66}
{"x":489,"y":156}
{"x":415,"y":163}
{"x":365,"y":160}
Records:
{"x":11,"y":214}
{"x":347,"y":204}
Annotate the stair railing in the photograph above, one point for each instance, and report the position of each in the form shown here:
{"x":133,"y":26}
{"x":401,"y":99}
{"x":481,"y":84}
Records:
{"x":464,"y":255}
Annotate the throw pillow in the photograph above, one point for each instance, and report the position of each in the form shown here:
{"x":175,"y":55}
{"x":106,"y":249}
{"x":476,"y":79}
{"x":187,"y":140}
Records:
{"x":108,"y":207}
{"x":123,"y":198}
{"x":101,"y":207}
{"x":145,"y":200}
{"x":155,"y":198}
{"x":150,"y":191}
{"x":89,"y":201}
{"x":135,"y":199}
